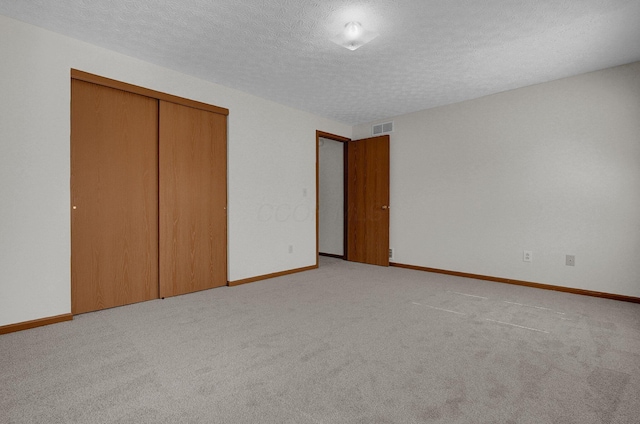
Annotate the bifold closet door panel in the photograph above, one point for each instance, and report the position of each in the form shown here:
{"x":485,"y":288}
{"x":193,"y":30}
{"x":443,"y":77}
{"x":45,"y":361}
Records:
{"x":193,"y":199}
{"x":114,"y":197}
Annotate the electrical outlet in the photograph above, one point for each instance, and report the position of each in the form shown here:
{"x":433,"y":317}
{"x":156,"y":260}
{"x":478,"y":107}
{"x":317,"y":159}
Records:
{"x":391,"y":253}
{"x":527,"y":256}
{"x":570,"y":260}
{"x":291,"y":248}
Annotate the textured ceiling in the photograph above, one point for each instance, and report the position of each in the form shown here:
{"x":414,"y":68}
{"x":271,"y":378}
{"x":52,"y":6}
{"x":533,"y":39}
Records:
{"x":429,"y":52}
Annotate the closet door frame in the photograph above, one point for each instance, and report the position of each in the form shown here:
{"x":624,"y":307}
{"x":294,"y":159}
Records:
{"x":111,"y":83}
{"x":157,"y":95}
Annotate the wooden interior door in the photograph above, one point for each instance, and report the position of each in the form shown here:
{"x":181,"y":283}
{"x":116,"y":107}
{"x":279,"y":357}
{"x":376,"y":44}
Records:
{"x":368,"y":201}
{"x":193,"y":199}
{"x":114,"y":197}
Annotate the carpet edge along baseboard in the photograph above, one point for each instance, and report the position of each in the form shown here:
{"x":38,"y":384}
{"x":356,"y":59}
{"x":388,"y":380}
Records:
{"x":274,"y":275}
{"x":12,"y":328}
{"x":583,"y":292}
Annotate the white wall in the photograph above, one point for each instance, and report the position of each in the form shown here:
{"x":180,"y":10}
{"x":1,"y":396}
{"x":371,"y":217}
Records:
{"x":553,"y":168}
{"x":271,"y":162}
{"x":331,"y":206}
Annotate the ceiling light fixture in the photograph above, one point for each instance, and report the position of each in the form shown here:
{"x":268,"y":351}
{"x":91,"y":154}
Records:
{"x":354,"y":36}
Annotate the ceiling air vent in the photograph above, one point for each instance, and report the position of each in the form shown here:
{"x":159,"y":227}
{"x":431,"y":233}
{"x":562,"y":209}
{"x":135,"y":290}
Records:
{"x":385,"y":128}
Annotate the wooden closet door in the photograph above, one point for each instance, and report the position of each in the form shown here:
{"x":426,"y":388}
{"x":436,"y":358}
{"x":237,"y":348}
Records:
{"x":193,"y":199}
{"x":114,"y":197}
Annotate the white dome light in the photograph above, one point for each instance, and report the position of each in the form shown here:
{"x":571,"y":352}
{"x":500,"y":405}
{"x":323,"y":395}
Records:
{"x":354,"y":36}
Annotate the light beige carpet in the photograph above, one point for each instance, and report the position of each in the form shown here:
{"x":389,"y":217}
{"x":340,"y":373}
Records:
{"x":347,"y":343}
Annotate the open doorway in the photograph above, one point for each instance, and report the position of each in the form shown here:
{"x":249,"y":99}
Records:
{"x":365,"y":198}
{"x":331,"y":198}
{"x":331,"y":194}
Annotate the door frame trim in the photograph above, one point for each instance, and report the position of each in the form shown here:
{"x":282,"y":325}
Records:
{"x":345,"y":141}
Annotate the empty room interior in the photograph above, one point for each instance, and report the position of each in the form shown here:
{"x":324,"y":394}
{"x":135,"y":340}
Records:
{"x":320,"y":212}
